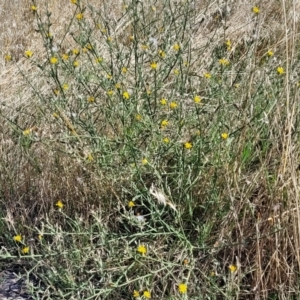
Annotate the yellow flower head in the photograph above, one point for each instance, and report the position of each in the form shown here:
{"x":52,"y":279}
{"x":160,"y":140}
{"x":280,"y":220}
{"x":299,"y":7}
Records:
{"x":110,"y":92}
{"x":256,"y":9}
{"x":91,"y":99}
{"x":40,"y":237}
{"x":18,"y":238}
{"x":280,"y":70}
{"x":27,"y":131}
{"x":270,"y":53}
{"x":124,"y":70}
{"x":228,"y":44}
{"x":153,"y":65}
{"x":166,"y":140}
{"x":131,"y":204}
{"x":138,"y":117}
{"x":28,"y":53}
{"x":163,"y":101}
{"x":90,"y":157}
{"x":147,"y":294}
{"x":126,"y":95}
{"x":188,"y":145}
{"x":99,"y":60}
{"x":59,"y":204}
{"x":75,"y":63}
{"x":207,"y":75}
{"x":176,"y":47}
{"x":118,"y":86}
{"x":182,"y":288}
{"x":142,"y":249}
{"x":108,"y":76}
{"x":25,"y":250}
{"x":53,"y":60}
{"x":144,"y":161}
{"x":136,"y":294}
{"x":164,"y":123}
{"x":197,"y":99}
{"x":65,"y":56}
{"x":33,"y":8}
{"x":79,"y":17}
{"x":7,"y":57}
{"x":232,"y":268}
{"x":74,"y":1}
{"x":161,"y":53}
{"x":75,"y":51}
{"x":176,"y":72}
{"x":173,"y":105}
{"x":224,"y":135}
{"x":223,"y":62}
{"x":65,"y":86}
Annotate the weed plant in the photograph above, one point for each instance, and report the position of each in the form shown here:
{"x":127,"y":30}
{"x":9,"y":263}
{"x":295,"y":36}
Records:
{"x":149,"y":164}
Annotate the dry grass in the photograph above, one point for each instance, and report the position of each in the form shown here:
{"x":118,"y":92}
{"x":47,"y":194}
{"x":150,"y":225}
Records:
{"x":237,"y":200}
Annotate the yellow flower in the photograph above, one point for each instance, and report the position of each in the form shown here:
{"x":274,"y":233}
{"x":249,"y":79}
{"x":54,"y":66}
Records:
{"x":163,"y":101}
{"x":256,"y":9}
{"x":280,"y":70}
{"x":153,"y":65}
{"x":188,"y":145}
{"x":74,"y":1}
{"x":65,"y":56}
{"x":166,"y":140}
{"x":28,"y":53}
{"x":56,"y":92}
{"x":164,"y":123}
{"x":173,"y":105}
{"x":126,"y":95}
{"x":124,"y":70}
{"x":224,"y":135}
{"x":65,"y":86}
{"x":270,"y":53}
{"x":147,"y":294}
{"x":7,"y":57}
{"x":224,"y":62}
{"x":75,"y":51}
{"x":59,"y":204}
{"x":161,"y":53}
{"x":27,"y":131}
{"x":138,"y":117}
{"x":232,"y":268}
{"x":131,"y":38}
{"x":18,"y":238}
{"x":228,"y":44}
{"x":131,"y":204}
{"x":53,"y":60}
{"x":108,"y":76}
{"x":207,"y":75}
{"x":110,"y":92}
{"x":89,"y":46}
{"x":76,"y":63}
{"x":33,"y":8}
{"x":142,"y":249}
{"x":136,"y":294}
{"x":79,"y":17}
{"x":176,"y":72}
{"x":197,"y":99}
{"x":55,"y":115}
{"x":91,"y":99}
{"x":90,"y":157}
{"x":25,"y":250}
{"x":176,"y":47}
{"x":118,"y":86}
{"x":109,"y":39}
{"x":40,"y":237}
{"x":144,"y":161}
{"x":182,"y":288}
